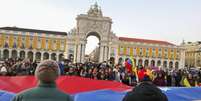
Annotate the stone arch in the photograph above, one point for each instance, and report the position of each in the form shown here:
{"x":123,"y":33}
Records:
{"x":5,"y":54}
{"x":97,"y":26}
{"x":97,"y":49}
{"x":54,"y":56}
{"x":170,"y":64}
{"x":177,"y":65}
{"x":152,"y":63}
{"x":45,"y":56}
{"x":22,"y":54}
{"x":38,"y":56}
{"x":30,"y":55}
{"x":146,"y":63}
{"x":14,"y":54}
{"x":93,"y":33}
{"x":61,"y":58}
{"x":158,"y":63}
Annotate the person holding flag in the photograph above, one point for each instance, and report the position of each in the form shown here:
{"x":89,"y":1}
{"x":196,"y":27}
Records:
{"x":128,"y":65}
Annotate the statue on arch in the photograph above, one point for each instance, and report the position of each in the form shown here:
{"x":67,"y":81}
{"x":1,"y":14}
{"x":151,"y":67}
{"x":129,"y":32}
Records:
{"x":95,"y":11}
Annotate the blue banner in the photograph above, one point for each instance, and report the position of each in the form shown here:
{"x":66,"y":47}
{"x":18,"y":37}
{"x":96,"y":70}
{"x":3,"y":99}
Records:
{"x":173,"y":94}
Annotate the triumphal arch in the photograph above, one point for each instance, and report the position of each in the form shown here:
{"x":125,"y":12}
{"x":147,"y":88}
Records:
{"x":91,"y":24}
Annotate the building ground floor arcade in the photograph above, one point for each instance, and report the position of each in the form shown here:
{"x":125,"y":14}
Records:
{"x":37,"y":55}
{"x":154,"y":62}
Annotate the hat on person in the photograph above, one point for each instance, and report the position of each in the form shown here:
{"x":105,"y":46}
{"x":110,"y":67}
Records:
{"x":47,"y":71}
{"x":3,"y":69}
{"x":146,"y":91}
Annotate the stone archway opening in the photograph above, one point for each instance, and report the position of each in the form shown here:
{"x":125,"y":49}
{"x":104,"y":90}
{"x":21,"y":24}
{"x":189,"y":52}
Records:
{"x":61,"y":57}
{"x":152,"y":63}
{"x":38,"y":56}
{"x":158,"y":63}
{"x":165,"y":64}
{"x":22,"y":55}
{"x":5,"y":54}
{"x":53,"y":56}
{"x":146,"y":63}
{"x":177,"y":65}
{"x":45,"y":56}
{"x":30,"y":55}
{"x":14,"y":54}
{"x":170,"y":64}
{"x":92,"y":48}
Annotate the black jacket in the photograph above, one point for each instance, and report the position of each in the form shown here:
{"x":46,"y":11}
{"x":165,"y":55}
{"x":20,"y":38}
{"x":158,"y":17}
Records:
{"x":146,"y":91}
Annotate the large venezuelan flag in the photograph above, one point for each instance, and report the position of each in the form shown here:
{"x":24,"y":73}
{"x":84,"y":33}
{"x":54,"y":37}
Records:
{"x":83,"y":89}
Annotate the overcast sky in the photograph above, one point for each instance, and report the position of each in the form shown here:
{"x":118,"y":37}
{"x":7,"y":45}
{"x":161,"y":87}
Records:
{"x":169,"y":20}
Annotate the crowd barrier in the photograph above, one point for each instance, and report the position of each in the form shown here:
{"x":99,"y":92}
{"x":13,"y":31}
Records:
{"x":83,"y":89}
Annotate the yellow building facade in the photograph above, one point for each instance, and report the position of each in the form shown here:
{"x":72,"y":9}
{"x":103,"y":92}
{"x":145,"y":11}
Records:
{"x":192,"y":54}
{"x":33,"y":44}
{"x":147,"y":52}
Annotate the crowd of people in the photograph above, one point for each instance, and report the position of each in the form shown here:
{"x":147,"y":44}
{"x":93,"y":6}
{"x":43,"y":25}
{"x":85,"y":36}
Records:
{"x":17,"y":66}
{"x":104,"y":71}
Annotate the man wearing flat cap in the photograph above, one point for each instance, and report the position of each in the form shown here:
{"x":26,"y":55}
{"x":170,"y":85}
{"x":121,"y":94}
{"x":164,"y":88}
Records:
{"x":46,"y":73}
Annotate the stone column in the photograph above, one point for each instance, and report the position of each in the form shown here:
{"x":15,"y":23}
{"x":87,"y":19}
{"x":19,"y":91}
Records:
{"x":149,"y":64}
{"x":156,"y":62}
{"x":162,"y":63}
{"x":18,"y":53}
{"x":182,"y":59}
{"x":173,"y":64}
{"x":143,"y":61}
{"x":10,"y":53}
{"x":195,"y":60}
{"x":101,"y":54}
{"x":57,"y":57}
{"x":34,"y":56}
{"x":105,"y":53}
{"x":137,"y":60}
{"x":168,"y":61}
{"x":75,"y":53}
{"x":26,"y":54}
{"x":83,"y":53}
{"x":78,"y":53}
{"x":42,"y":56}
{"x":1,"y":56}
{"x":109,"y":52}
{"x":50,"y":56}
